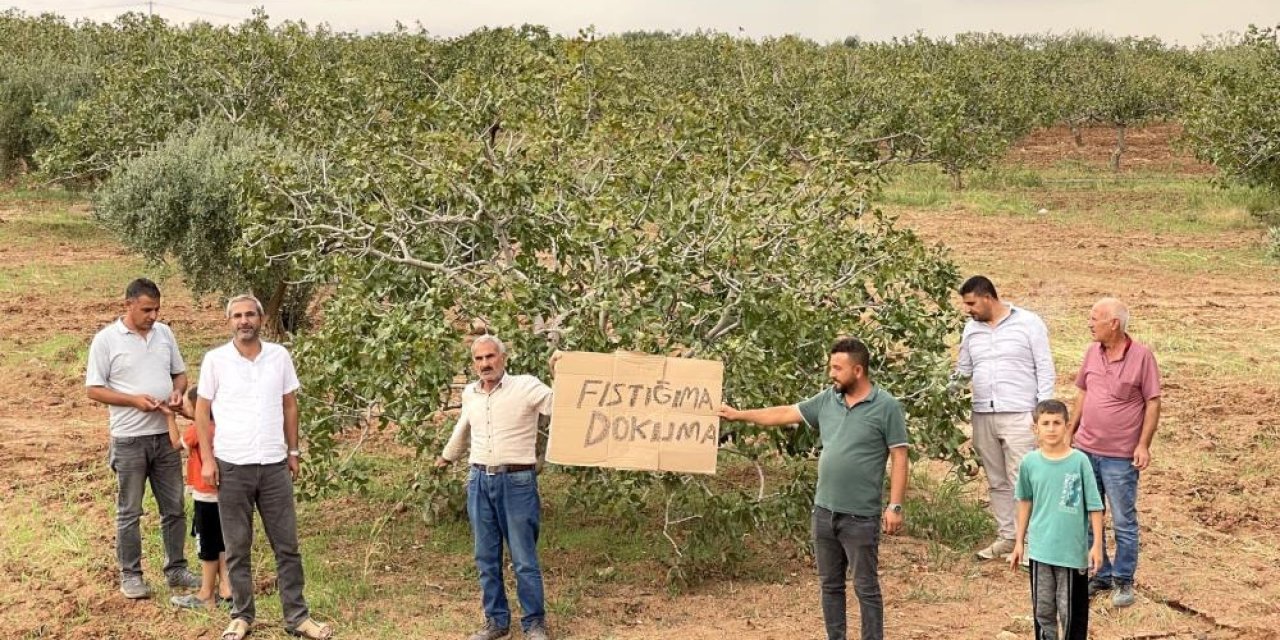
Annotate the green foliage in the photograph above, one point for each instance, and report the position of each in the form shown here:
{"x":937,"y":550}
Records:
{"x":44,"y":71}
{"x":32,"y":93}
{"x":1233,"y":120}
{"x":183,"y":200}
{"x":959,"y":104}
{"x":161,"y":77}
{"x":707,"y":526}
{"x":943,"y":511}
{"x":1115,"y":81}
{"x":577,"y":203}
{"x":1119,"y":82}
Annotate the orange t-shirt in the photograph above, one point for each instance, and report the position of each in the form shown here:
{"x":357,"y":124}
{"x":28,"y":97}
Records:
{"x":192,"y":440}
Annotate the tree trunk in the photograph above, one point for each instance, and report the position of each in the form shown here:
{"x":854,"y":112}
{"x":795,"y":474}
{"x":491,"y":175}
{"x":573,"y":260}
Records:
{"x":1119,"y":150}
{"x":957,"y":181}
{"x":273,"y":322}
{"x":1076,"y":134}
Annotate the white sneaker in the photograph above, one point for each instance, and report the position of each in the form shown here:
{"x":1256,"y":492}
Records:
{"x":998,"y":549}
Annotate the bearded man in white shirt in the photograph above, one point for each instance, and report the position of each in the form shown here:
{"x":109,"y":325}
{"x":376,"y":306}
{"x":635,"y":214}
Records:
{"x":253,"y":458}
{"x":1005,"y":352}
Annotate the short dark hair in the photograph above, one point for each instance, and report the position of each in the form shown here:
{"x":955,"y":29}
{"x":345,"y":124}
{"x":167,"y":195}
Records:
{"x":979,"y":286}
{"x":141,"y":287}
{"x":192,"y":395}
{"x":857,"y":351}
{"x":1054,"y":407}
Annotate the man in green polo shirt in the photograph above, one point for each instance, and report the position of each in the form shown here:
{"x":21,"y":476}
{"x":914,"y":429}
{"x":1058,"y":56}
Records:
{"x":861,"y":426}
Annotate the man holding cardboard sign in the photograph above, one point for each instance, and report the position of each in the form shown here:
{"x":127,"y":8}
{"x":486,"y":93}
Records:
{"x":499,"y":421}
{"x":861,"y":426}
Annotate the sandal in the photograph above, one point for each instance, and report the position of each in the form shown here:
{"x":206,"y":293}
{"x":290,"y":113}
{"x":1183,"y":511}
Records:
{"x":237,"y":630}
{"x":313,"y":630}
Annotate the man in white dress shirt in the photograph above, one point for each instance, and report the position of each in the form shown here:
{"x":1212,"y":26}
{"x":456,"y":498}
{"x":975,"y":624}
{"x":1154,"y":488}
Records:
{"x":1005,"y":351}
{"x":253,"y":459}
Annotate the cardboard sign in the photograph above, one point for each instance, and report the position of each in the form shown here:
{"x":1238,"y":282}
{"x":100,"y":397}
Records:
{"x":636,"y":411}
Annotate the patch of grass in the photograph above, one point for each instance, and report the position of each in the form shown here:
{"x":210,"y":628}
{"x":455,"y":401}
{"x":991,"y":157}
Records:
{"x":26,"y":195}
{"x":1200,"y":262}
{"x":1159,"y":203}
{"x":944,"y":511}
{"x":1004,"y":178}
{"x":941,"y":557}
{"x":63,"y":353}
{"x":50,"y":225}
{"x":81,"y":279}
{"x":917,"y":186}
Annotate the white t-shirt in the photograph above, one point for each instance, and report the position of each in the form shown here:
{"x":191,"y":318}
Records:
{"x":248,"y":400}
{"x":127,"y":362}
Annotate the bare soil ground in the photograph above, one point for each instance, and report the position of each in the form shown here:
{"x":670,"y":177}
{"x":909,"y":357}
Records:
{"x":1148,"y":149}
{"x":1210,"y":505}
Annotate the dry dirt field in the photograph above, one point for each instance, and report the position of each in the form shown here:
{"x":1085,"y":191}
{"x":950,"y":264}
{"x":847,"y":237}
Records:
{"x":1200,"y":290}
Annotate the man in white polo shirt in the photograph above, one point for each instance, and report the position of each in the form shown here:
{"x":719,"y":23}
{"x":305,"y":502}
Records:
{"x":499,"y":421}
{"x":251,"y":386}
{"x":135,"y":367}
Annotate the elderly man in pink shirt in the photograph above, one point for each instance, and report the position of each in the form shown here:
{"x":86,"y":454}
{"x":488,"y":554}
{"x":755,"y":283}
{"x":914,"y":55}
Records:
{"x":1115,"y":418}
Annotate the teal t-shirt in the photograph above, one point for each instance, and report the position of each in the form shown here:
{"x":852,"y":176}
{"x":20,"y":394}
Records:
{"x":1062,"y":493}
{"x":855,"y":445}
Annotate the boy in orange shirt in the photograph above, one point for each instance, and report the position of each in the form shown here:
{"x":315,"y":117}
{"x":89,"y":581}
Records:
{"x":205,"y":525}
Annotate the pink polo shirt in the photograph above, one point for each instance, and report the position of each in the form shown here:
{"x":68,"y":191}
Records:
{"x":1115,"y":400}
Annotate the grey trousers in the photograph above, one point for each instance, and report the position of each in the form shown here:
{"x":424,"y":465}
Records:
{"x":269,"y":488}
{"x":1060,"y":595}
{"x":841,"y":540}
{"x":135,"y":460}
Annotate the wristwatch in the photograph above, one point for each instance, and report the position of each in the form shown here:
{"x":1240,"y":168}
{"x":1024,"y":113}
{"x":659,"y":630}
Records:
{"x":894,"y":507}
{"x":294,"y":453}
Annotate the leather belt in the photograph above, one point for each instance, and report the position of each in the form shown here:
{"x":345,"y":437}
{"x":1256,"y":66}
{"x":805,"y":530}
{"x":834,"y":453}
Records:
{"x":495,"y":469}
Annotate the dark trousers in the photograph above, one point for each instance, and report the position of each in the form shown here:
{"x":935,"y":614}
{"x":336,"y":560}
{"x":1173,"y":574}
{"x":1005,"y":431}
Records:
{"x":1060,"y":595}
{"x":137,"y":460}
{"x":841,"y":540}
{"x":269,"y":488}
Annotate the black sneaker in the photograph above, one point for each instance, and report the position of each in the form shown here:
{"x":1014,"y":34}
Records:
{"x":1099,"y":584}
{"x":183,"y":579}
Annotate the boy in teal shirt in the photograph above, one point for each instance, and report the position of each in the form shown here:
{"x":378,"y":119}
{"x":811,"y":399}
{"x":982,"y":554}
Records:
{"x":1058,"y":500}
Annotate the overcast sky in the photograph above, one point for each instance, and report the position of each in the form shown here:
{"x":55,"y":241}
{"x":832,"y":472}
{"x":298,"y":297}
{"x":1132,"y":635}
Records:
{"x":1182,"y":21}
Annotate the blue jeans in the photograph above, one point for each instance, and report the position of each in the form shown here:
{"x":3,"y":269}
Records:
{"x":1118,"y":481}
{"x":841,"y":541}
{"x":505,"y":508}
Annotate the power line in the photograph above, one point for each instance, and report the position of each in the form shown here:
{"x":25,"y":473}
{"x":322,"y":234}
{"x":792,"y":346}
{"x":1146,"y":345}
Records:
{"x":200,"y":11}
{"x":150,"y":5}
